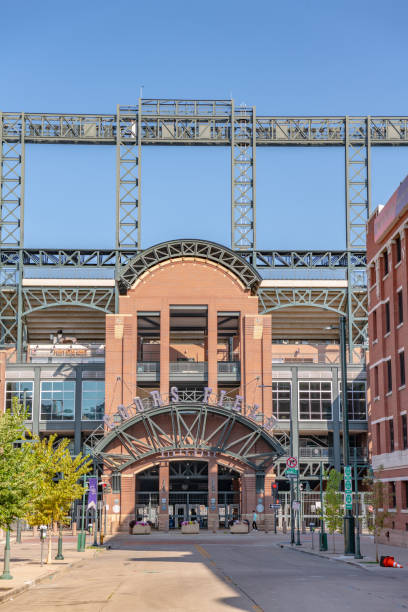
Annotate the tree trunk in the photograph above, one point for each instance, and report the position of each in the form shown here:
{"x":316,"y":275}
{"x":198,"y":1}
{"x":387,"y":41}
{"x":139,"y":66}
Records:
{"x":49,"y":558}
{"x":376,"y":545}
{"x":334,"y":543}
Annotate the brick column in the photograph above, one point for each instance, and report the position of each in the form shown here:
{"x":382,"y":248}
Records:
{"x":212,"y":340}
{"x":129,"y":359}
{"x":164,"y":481}
{"x":212,"y":494}
{"x":269,"y":516}
{"x":248,"y":495}
{"x":127,"y":501}
{"x":164,"y":350}
{"x":115,"y":325}
{"x":266,"y":374}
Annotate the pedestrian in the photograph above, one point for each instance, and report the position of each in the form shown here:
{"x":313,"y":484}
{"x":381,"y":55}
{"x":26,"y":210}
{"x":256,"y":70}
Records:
{"x":254,"y":517}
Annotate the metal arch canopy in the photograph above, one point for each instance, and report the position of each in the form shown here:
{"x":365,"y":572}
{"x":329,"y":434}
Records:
{"x":196,"y":435}
{"x":203,"y":249}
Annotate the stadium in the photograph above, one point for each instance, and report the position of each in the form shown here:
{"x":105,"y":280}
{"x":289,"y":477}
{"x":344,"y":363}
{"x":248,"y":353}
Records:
{"x":190,"y":370}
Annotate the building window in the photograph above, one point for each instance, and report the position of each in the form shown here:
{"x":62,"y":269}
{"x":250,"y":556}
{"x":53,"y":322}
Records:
{"x":93,"y":400}
{"x":385,"y":254}
{"x":387,"y":317}
{"x":391,"y":429}
{"x":389,"y":376}
{"x":281,"y":399}
{"x":398,"y":248}
{"x":315,"y":401}
{"x":404,"y":484}
{"x":375,"y":335}
{"x":376,"y":387}
{"x":400,"y":307}
{"x":356,"y":401}
{"x":404,"y":431}
{"x":57,"y":400}
{"x":378,"y":437}
{"x":393,"y":495}
{"x":23,"y":391}
{"x":402,"y":367}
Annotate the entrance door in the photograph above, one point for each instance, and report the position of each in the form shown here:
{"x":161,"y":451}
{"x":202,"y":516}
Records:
{"x":180,"y":514}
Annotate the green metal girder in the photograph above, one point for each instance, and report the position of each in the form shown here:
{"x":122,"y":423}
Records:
{"x":182,"y":436}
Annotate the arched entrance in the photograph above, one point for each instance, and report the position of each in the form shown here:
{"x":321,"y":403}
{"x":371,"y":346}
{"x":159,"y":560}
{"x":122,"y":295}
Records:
{"x":188,"y":460}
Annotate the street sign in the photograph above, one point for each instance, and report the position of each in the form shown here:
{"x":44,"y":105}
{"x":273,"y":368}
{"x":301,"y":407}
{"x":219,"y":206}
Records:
{"x":348,"y":488}
{"x":291,"y":462}
{"x":291,"y":472}
{"x":274,"y":506}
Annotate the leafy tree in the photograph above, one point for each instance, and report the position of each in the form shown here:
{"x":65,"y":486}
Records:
{"x":58,"y":483}
{"x":379,"y":499}
{"x":333,"y":503}
{"x":18,"y":469}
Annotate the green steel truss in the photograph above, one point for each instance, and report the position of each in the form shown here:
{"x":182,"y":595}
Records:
{"x":181,"y":435}
{"x":189,"y":122}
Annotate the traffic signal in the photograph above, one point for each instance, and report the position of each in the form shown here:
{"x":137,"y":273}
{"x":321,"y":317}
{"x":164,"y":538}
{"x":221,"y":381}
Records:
{"x":106,"y":488}
{"x":275,"y":493}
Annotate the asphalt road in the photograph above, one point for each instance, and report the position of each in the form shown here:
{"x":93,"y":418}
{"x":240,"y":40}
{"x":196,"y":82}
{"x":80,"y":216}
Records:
{"x":214,"y":573}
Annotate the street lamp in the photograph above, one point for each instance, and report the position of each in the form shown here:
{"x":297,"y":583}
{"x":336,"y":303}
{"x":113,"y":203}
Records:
{"x":349,"y":542}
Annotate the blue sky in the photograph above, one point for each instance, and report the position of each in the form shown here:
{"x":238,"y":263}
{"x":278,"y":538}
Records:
{"x":287,"y":58}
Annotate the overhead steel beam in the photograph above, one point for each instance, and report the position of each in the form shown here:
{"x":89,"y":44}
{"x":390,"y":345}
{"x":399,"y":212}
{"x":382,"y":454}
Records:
{"x":199,"y":122}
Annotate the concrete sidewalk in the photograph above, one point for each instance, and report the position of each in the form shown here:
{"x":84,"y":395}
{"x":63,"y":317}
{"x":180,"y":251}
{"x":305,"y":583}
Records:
{"x":367,"y":547}
{"x":25,"y":564}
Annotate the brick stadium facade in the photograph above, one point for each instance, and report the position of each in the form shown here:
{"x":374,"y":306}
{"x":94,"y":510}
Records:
{"x":189,"y":317}
{"x":387,"y":242}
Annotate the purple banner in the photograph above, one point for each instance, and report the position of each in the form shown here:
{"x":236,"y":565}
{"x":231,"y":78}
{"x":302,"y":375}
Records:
{"x":92,"y":492}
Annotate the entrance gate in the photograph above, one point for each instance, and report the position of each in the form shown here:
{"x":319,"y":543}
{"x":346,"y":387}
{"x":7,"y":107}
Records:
{"x":191,"y":506}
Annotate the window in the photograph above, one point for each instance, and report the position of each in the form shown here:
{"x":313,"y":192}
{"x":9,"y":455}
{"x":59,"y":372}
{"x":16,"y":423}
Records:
{"x":315,"y":400}
{"x":402,"y":368}
{"x":387,"y":317}
{"x":398,"y":248}
{"x":23,"y":391}
{"x":93,"y":400}
{"x":393,"y":495}
{"x":375,"y":335}
{"x":385,"y":255}
{"x":356,"y":401}
{"x":391,"y":429}
{"x":57,"y":400}
{"x":404,"y":431}
{"x":376,"y":387}
{"x":404,"y":485}
{"x":378,"y":437}
{"x":389,"y":376}
{"x":400,"y":307}
{"x":281,"y":399}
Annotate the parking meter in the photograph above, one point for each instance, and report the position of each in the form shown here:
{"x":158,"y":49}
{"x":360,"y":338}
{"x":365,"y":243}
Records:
{"x":43,"y":531}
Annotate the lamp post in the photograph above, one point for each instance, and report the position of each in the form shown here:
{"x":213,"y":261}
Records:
{"x":348,"y":521}
{"x":59,"y":556}
{"x":6,"y":571}
{"x":322,"y":536}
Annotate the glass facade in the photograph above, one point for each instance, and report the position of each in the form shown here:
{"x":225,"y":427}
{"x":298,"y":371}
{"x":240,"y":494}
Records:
{"x":23,"y":391}
{"x":281,"y":399}
{"x":315,"y":401}
{"x":57,"y":400}
{"x":93,"y":400}
{"x":356,"y":398}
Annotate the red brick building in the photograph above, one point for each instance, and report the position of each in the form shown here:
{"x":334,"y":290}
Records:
{"x":387,"y":243}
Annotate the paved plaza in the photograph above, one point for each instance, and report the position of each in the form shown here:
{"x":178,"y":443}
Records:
{"x":216,"y":572}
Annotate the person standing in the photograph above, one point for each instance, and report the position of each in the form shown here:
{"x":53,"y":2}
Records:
{"x":254,"y":517}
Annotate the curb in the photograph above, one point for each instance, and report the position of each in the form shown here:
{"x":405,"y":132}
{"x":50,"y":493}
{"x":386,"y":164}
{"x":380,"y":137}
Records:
{"x":316,"y":554}
{"x":25,"y":587}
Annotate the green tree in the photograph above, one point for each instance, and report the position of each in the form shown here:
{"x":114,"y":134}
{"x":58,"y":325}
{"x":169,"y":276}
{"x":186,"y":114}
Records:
{"x":333,"y":503}
{"x":58,"y":483}
{"x":18,"y":470}
{"x":379,"y":500}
